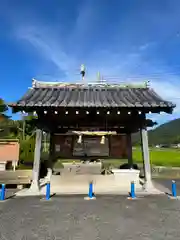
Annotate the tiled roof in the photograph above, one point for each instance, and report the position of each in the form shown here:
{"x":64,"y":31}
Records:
{"x":42,"y":95}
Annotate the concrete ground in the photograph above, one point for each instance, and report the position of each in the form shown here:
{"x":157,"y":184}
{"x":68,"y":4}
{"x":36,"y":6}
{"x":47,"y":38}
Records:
{"x":167,"y":183}
{"x":106,"y":218}
{"x":9,"y":193}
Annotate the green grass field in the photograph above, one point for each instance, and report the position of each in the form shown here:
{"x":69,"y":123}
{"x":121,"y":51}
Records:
{"x":158,"y":157}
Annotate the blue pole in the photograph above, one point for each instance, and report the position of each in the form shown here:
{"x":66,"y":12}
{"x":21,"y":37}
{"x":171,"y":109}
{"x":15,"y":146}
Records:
{"x":174,"y":193}
{"x":2,"y":192}
{"x":48,"y":191}
{"x":133,"y":190}
{"x":90,"y":190}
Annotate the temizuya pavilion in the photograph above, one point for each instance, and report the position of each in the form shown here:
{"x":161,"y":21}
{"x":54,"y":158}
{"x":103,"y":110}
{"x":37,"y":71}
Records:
{"x":117,"y":108}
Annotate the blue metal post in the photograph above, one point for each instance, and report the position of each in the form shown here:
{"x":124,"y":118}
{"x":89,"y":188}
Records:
{"x":90,"y":190}
{"x":48,"y":191}
{"x":2,"y":192}
{"x":133,"y":190}
{"x":174,"y":193}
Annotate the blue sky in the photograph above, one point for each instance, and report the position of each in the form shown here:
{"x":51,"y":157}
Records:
{"x":126,"y":40}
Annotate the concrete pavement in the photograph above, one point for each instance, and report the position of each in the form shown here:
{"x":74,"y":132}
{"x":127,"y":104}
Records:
{"x":107,"y":217}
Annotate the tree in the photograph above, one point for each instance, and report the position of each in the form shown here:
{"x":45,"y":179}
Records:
{"x":3,"y":118}
{"x":3,"y":109}
{"x":30,"y":125}
{"x":20,"y":129}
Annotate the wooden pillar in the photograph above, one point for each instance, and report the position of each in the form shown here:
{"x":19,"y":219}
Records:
{"x":129,"y":150}
{"x":37,"y":158}
{"x":146,"y":158}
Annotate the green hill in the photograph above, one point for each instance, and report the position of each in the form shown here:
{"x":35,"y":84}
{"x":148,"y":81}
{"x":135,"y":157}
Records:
{"x":167,"y":133}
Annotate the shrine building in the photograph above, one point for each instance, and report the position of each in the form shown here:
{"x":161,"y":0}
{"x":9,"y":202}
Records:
{"x":92,"y":120}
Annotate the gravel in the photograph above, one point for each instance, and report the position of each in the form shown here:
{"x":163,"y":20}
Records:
{"x":73,"y":218}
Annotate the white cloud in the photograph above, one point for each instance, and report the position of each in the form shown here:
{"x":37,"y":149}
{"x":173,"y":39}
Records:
{"x":115,"y":67}
{"x":48,"y":47}
{"x":129,"y":60}
{"x":147,"y":45}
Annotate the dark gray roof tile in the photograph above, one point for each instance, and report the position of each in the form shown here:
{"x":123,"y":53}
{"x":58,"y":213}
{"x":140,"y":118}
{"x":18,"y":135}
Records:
{"x":92,"y":97}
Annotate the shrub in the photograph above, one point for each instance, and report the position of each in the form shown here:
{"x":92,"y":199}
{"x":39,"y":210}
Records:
{"x":27,"y":151}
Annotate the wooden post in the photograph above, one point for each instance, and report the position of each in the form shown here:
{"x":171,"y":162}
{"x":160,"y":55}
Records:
{"x":37,"y":158}
{"x":147,"y":167}
{"x":129,"y":150}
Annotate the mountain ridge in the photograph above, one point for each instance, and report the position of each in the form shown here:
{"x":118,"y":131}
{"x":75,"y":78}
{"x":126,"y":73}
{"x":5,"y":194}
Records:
{"x":166,"y":133}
